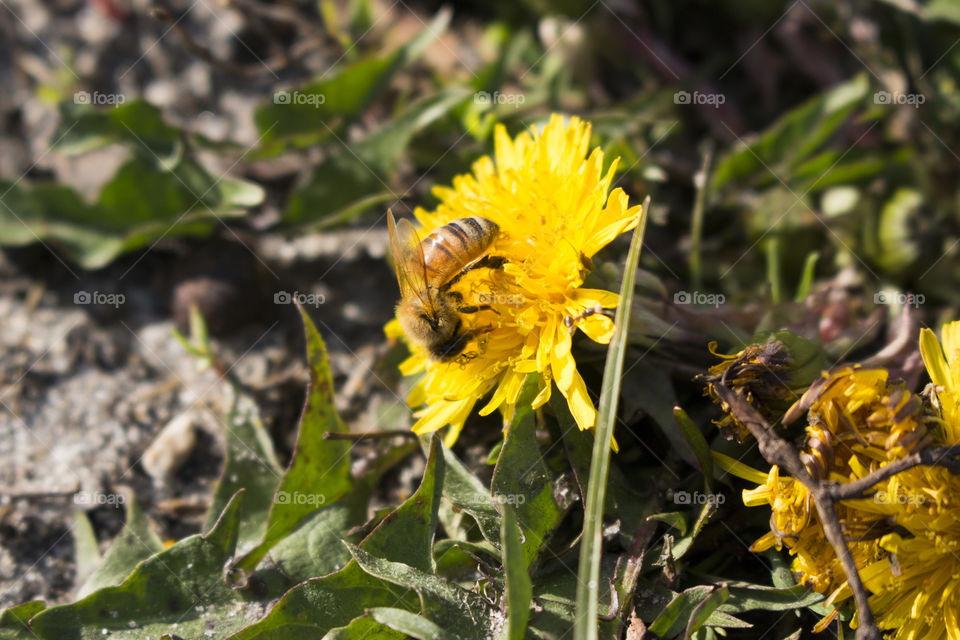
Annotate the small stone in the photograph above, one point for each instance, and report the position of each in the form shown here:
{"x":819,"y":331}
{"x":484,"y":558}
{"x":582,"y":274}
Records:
{"x":171,"y":448}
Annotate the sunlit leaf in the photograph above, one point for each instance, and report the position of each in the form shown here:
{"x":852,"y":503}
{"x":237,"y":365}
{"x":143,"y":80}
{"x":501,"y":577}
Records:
{"x":319,"y":472}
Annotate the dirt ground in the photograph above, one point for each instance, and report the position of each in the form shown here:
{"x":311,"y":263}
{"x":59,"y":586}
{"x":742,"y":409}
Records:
{"x":86,"y":388}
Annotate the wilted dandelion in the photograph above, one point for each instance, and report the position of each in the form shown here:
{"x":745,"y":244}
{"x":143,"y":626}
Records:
{"x":905,"y":536}
{"x":757,"y":374}
{"x":550,"y":196}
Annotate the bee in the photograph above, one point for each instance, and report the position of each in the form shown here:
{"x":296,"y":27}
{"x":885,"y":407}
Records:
{"x":429,"y":311}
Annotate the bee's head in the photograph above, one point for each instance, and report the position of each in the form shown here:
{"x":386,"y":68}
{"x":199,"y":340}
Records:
{"x":429,"y":330}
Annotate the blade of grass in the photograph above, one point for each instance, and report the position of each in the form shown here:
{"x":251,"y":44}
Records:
{"x":806,"y":280}
{"x":519,"y":588}
{"x":588,"y":572}
{"x":773,"y":268}
{"x":700,"y":181}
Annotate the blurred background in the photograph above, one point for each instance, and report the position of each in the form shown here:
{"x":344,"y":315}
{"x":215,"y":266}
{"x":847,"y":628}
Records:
{"x":240,"y":155}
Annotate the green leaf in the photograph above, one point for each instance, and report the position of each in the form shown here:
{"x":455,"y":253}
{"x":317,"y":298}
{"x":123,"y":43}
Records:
{"x":411,"y":624}
{"x":362,"y":629}
{"x":183,"y":584}
{"x":13,"y":620}
{"x":317,"y":606}
{"x":86,"y":548}
{"x":702,"y":612}
{"x":319,"y":472}
{"x":384,"y":147}
{"x":556,"y":592}
{"x":622,"y":501}
{"x":139,"y":194}
{"x":518,"y":586}
{"x":944,"y":10}
{"x":460,"y":612}
{"x":341,"y":186}
{"x":356,"y":177}
{"x":700,"y":447}
{"x":806,"y":279}
{"x":139,"y":205}
{"x":313,"y":549}
{"x":749,"y":597}
{"x":251,"y":465}
{"x":406,"y":534}
{"x":674,"y":519}
{"x":897,"y":250}
{"x":466,"y":492}
{"x":684,"y":609}
{"x":793,"y":138}
{"x":521,"y":477}
{"x":137,"y":124}
{"x":313,"y":112}
{"x":591,"y":546}
{"x":694,"y":437}
{"x":456,"y":558}
{"x":135,"y":543}
{"x":653,"y":393}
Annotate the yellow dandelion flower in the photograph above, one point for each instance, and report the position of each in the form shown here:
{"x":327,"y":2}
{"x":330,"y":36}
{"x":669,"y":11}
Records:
{"x":943,"y":365}
{"x":550,"y":196}
{"x":905,"y":537}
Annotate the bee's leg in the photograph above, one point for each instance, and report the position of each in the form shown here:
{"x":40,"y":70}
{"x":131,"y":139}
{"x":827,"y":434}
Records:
{"x":571,"y":321}
{"x":473,"y":308}
{"x":457,"y":298}
{"x":486,"y":262}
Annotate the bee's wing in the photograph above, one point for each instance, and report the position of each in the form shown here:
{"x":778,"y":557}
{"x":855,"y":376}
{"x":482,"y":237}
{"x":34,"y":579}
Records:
{"x":408,"y":260}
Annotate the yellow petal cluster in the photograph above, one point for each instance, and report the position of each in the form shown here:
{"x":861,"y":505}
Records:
{"x":550,"y":195}
{"x":905,"y":537}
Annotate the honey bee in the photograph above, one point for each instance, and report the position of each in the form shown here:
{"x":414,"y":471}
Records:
{"x":428,"y":311}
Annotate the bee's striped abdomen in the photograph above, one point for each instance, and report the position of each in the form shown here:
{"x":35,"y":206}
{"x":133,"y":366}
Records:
{"x":450,"y":248}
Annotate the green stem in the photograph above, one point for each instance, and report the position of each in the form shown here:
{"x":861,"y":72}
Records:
{"x":696,"y":226}
{"x":588,"y":573}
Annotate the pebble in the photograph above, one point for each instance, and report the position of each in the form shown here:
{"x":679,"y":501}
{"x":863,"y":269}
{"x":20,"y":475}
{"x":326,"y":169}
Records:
{"x":171,"y":448}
